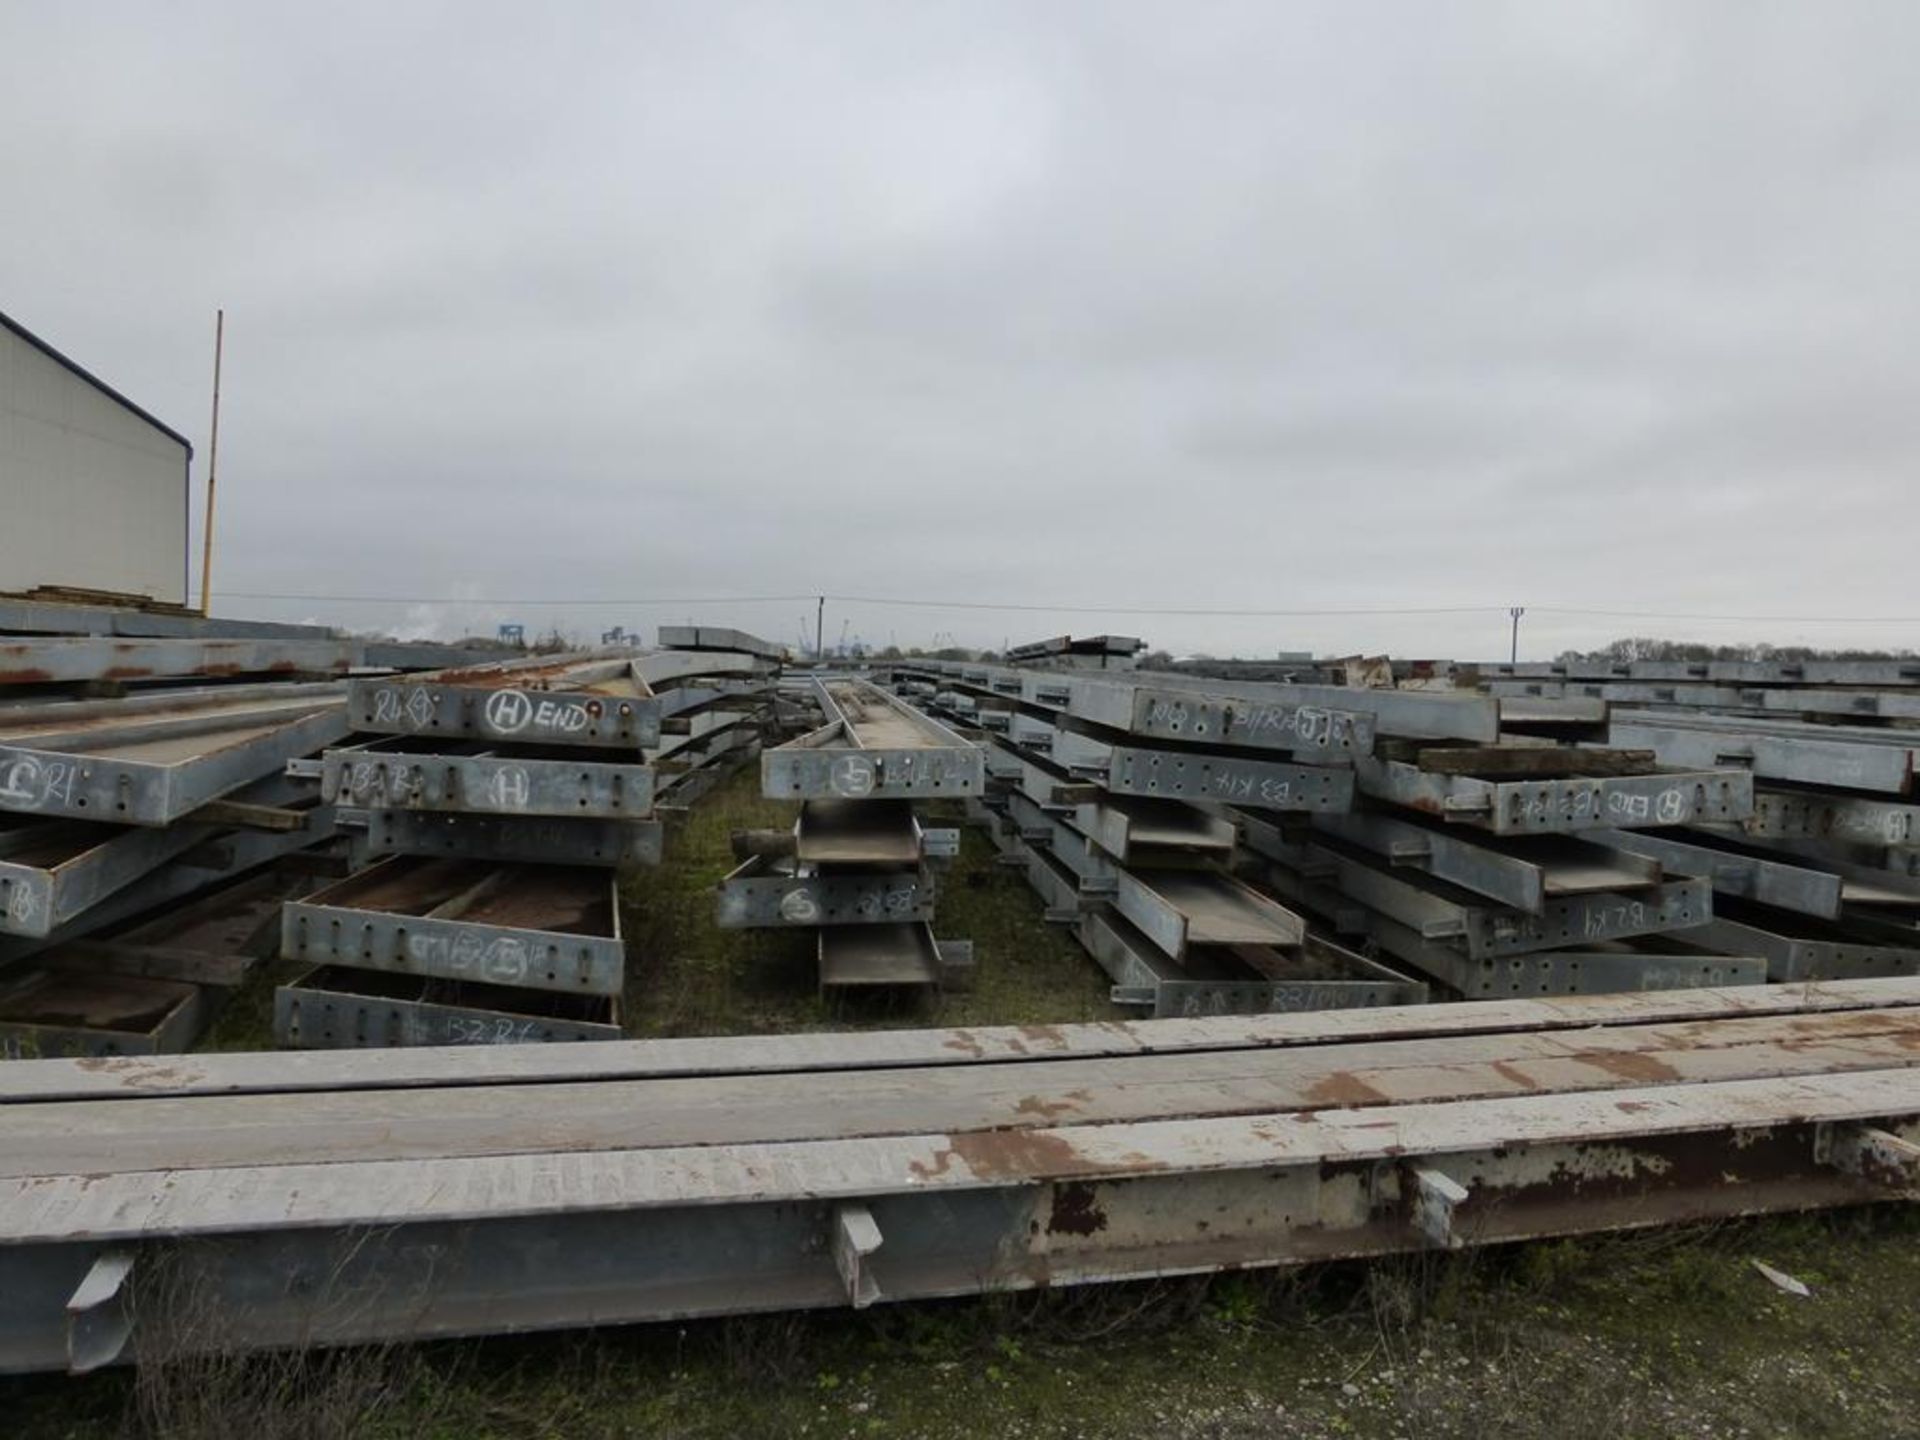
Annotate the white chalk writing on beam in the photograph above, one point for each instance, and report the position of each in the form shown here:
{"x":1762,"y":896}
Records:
{"x":509,"y":788}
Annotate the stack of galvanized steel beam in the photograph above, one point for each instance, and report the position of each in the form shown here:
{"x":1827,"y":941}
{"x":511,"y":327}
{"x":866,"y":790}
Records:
{"x":1822,"y":878}
{"x":497,"y":806}
{"x":141,"y":762}
{"x":1166,"y":817}
{"x":858,"y":866}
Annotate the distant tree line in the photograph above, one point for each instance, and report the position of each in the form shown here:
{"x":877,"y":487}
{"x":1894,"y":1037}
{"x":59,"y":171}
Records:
{"x":1644,"y":647}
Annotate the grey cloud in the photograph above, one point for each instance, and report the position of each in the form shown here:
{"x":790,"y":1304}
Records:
{"x":1368,"y":305}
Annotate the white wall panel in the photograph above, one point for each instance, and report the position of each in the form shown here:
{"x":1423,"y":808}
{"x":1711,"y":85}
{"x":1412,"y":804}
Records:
{"x":92,"y":495}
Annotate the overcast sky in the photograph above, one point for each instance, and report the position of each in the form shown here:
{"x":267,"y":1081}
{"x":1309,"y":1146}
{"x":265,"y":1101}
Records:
{"x":1198,"y":306}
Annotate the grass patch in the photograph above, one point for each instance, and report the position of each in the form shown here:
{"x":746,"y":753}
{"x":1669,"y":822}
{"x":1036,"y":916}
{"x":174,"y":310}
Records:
{"x":1667,"y":1333}
{"x":686,"y":976}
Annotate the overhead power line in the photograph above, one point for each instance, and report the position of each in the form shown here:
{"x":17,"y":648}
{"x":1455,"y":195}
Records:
{"x":1031,"y":607}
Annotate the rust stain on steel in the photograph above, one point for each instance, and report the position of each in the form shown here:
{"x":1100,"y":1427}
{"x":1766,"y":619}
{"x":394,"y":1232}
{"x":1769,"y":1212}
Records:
{"x":131,"y":672}
{"x":1043,"y":1034}
{"x":1343,"y":1088}
{"x":965,"y":1043}
{"x":942,"y":1163}
{"x":136,"y":1071}
{"x":1028,"y":1155}
{"x":1076,"y":1210}
{"x":486,"y":677}
{"x":1048,"y":1109}
{"x":26,"y":676}
{"x":1629,"y":1065}
{"x":1514,"y":1075}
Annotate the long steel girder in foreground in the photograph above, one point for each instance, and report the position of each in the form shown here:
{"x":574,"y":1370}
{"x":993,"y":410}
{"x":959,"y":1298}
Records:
{"x":146,"y":1212}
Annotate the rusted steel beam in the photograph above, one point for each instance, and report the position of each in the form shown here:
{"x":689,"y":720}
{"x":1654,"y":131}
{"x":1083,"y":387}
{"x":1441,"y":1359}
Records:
{"x":438,"y":1209}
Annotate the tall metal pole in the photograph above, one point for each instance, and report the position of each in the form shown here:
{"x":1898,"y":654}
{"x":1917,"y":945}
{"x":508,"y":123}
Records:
{"x":1516,"y":612}
{"x":213,"y":461}
{"x":820,"y":630}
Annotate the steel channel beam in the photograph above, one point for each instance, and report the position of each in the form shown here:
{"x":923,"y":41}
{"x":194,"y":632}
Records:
{"x":1551,"y":972}
{"x":38,"y":896}
{"x":1266,"y":707}
{"x":1314,"y":720}
{"x":1854,"y":704}
{"x":1777,"y":701}
{"x":665,"y":669}
{"x":841,"y":761}
{"x":216,"y":938}
{"x":565,"y":708}
{"x":1796,"y":957}
{"x":1166,"y":712}
{"x":1610,"y":693}
{"x":862,"y":957}
{"x":1128,"y":834}
{"x":1543,"y":710}
{"x":60,"y":617}
{"x":408,"y":936}
{"x":1881,"y":867}
{"x":1485,"y":933}
{"x":1846,"y":756}
{"x":685,"y":789}
{"x":1201,"y":719}
{"x":754,"y":897}
{"x":1056,"y":885}
{"x":335,"y":1008}
{"x":221,"y":856}
{"x":488,"y":784}
{"x":1746,"y":877}
{"x":1582,"y":1020}
{"x":1851,"y":819}
{"x":130,"y":789}
{"x":55,"y":1012}
{"x":81,"y":718}
{"x":1547,"y":807}
{"x":532,"y":840}
{"x":1262,"y":784}
{"x":1143,"y":976}
{"x":1116,"y":831}
{"x":718,"y":637}
{"x":90,"y":725}
{"x":1172,"y":907}
{"x":71,"y":659}
{"x":1507,"y":879}
{"x":1716,"y":672}
{"x":514,"y":1243}
{"x":1190,"y":998}
{"x":710,"y":733}
{"x":53,"y":871}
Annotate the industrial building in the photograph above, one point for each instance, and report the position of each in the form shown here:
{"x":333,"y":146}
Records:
{"x":93,"y":489}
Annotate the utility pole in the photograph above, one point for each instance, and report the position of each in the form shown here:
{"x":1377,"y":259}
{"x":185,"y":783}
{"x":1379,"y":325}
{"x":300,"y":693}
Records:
{"x":820,"y":630}
{"x":213,"y":461}
{"x":1516,"y":612}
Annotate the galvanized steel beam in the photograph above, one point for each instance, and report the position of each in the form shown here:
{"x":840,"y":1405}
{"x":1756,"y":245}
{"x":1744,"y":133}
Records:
{"x":1545,"y":807}
{"x":537,"y":927}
